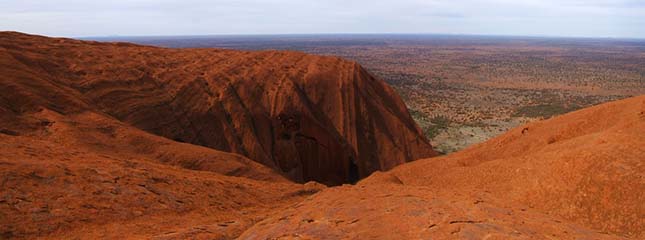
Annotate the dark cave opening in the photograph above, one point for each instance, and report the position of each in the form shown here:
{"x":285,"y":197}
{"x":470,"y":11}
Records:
{"x":353,"y":175}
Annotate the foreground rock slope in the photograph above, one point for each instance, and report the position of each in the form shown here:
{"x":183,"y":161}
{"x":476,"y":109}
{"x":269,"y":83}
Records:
{"x":60,"y":183}
{"x":309,"y":117}
{"x":577,"y":176}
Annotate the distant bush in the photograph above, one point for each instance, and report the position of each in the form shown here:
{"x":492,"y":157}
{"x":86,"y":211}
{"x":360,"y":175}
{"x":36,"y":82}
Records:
{"x":431,"y":127}
{"x":441,"y":121}
{"x":436,"y":126}
{"x":417,"y":115}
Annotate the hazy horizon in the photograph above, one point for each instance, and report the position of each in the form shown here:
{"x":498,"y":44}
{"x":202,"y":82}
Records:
{"x":116,"y":36}
{"x":530,"y":18}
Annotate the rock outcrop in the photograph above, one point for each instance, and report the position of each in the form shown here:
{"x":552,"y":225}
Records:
{"x":576,"y":176}
{"x":309,"y":117}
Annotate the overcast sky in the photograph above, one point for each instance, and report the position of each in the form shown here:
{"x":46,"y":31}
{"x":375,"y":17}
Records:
{"x":82,"y":18}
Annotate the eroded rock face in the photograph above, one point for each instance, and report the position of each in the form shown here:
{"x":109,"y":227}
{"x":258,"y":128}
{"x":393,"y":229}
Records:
{"x":311,"y":117}
{"x":576,"y":176}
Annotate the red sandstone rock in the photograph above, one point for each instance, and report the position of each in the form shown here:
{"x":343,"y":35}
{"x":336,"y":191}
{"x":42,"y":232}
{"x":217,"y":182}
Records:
{"x":576,"y":176}
{"x":76,"y":163}
{"x":311,"y":117}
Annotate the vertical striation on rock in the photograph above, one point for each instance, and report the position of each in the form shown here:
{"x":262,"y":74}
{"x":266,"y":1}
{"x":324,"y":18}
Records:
{"x":310,"y":117}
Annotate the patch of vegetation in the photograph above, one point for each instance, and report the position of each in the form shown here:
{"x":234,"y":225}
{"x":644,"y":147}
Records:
{"x":437,"y":125}
{"x":477,"y":124}
{"x":544,"y":110}
{"x":431,"y":127}
{"x":417,"y":115}
{"x":401,"y":78}
{"x":441,"y":121}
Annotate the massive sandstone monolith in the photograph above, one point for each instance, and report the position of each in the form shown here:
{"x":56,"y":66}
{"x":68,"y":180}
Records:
{"x":310,"y":117}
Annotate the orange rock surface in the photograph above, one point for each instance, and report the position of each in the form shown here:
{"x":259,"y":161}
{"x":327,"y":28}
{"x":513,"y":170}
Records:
{"x":118,"y":141}
{"x":310,"y":117}
{"x":576,"y":176}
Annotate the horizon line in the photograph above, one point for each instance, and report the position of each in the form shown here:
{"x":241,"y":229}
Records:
{"x":363,"y":33}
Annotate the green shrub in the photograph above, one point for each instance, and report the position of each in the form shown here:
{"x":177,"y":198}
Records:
{"x":436,"y":125}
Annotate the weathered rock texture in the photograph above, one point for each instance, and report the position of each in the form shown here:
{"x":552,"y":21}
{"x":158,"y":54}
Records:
{"x":310,"y":117}
{"x":76,"y":164}
{"x":576,"y":176}
{"x":88,"y":176}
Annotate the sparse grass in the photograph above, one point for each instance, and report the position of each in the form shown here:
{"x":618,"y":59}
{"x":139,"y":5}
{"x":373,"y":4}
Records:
{"x":436,"y":126}
{"x":476,"y":124}
{"x":431,"y":126}
{"x":441,"y":121}
{"x":417,"y":115}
